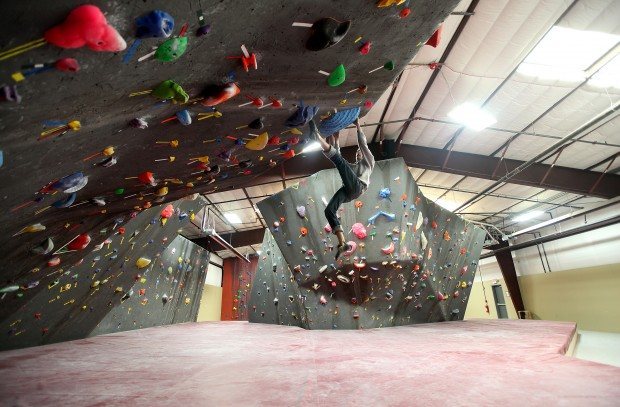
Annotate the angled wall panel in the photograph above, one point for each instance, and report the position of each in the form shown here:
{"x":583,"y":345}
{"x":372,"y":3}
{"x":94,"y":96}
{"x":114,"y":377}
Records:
{"x":416,"y":263}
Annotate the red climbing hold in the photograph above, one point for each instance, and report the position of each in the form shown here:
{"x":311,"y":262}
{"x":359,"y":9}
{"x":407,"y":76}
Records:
{"x":79,"y":242}
{"x":86,"y":26}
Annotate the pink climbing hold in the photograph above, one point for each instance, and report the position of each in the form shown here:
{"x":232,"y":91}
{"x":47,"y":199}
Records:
{"x":359,"y":231}
{"x":328,"y":229}
{"x":167,"y":212}
{"x":388,"y":249}
{"x":67,"y":65}
{"x":353,"y":247}
{"x":86,"y":26}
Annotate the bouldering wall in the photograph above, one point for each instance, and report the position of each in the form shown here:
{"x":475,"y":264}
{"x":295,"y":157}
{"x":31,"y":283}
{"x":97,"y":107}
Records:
{"x":93,"y":129}
{"x":413,"y":261}
{"x":237,"y":279}
{"x":101,"y":292}
{"x":169,"y":292}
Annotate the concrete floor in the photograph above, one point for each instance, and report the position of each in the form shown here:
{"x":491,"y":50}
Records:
{"x":477,"y":362}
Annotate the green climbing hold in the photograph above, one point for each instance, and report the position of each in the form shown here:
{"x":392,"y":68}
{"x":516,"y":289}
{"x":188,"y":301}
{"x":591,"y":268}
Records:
{"x":337,"y":77}
{"x":389,"y":65}
{"x":171,"y":49}
{"x":170,"y":90}
{"x":119,"y":191}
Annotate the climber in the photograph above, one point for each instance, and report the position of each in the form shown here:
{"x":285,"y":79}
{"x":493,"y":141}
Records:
{"x":355,"y":177}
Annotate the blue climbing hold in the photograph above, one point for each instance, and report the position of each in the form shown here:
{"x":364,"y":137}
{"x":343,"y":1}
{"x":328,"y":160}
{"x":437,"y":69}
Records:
{"x":155,"y":24}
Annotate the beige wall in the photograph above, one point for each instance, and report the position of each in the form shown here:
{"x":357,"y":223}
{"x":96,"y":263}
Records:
{"x":210,"y":304}
{"x":475,"y":306}
{"x":588,"y":296}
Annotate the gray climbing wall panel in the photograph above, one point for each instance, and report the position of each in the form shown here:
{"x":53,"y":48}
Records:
{"x":416,"y":263}
{"x":101,"y":293}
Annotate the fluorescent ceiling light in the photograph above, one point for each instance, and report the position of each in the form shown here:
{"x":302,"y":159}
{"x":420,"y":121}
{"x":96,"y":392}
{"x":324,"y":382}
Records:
{"x":527,"y":216}
{"x":232,"y":218}
{"x":313,"y":146}
{"x":609,"y":75}
{"x":472,"y":116}
{"x":565,"y":54}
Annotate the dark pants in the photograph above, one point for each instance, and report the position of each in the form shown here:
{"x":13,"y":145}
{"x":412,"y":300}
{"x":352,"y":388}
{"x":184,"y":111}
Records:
{"x":352,"y":188}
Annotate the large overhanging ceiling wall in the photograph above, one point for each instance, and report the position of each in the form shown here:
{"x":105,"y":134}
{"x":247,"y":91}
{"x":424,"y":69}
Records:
{"x":482,"y":47}
{"x":98,"y":97}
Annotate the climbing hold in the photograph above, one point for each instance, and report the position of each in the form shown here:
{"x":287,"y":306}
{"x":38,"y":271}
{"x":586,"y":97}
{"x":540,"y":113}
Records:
{"x":339,"y":121}
{"x":44,"y":247}
{"x":326,"y":32}
{"x":435,"y":39}
{"x":142,"y":262}
{"x":147,"y":178}
{"x":390,"y":216}
{"x":53,"y":262}
{"x":302,"y":115}
{"x":303,"y":231}
{"x":9,"y":93}
{"x":86,"y":26}
{"x":154,"y":24}
{"x":389,"y":3}
{"x":385,"y":193}
{"x":70,"y":183}
{"x":389,"y":249}
{"x":170,"y":90}
{"x":258,"y":143}
{"x":365,"y":49}
{"x":203,"y":30}
{"x":301,"y":211}
{"x":388,"y":66}
{"x":359,"y":230}
{"x":171,"y":49}
{"x":352,"y":247}
{"x":67,"y":65}
{"x":138,"y":123}
{"x":9,"y":289}
{"x":80,"y":242}
{"x":337,"y":77}
{"x":327,"y":228}
{"x":65,"y":202}
{"x":214,"y":95}
{"x":184,"y":117}
{"x":163,"y":191}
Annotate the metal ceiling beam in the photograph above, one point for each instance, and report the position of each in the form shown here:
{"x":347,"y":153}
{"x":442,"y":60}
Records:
{"x":515,"y":198}
{"x":457,"y":133}
{"x":236,"y":239}
{"x":611,"y":111}
{"x":565,"y":179}
{"x":387,"y":105}
{"x":470,"y":11}
{"x":555,"y":236}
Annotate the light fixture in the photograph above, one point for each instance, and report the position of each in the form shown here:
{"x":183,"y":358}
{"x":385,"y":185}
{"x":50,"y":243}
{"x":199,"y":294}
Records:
{"x":565,"y":54}
{"x":609,"y":75}
{"x":472,"y":116}
{"x":313,"y":146}
{"x":232,"y":218}
{"x":528,"y":216}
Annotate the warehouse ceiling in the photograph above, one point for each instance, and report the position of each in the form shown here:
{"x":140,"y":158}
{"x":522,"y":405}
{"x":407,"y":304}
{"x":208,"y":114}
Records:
{"x":43,"y":143}
{"x":543,"y":70}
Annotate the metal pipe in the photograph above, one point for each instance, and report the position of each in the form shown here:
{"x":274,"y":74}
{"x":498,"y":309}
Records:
{"x":609,"y":111}
{"x":563,"y":218}
{"x":213,"y":235}
{"x":514,"y":132}
{"x":556,"y":236}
